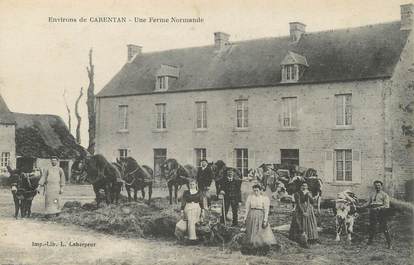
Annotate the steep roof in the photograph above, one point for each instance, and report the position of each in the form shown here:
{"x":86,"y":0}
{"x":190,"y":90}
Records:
{"x":338,"y":55}
{"x":42,"y":136}
{"x":6,"y":116}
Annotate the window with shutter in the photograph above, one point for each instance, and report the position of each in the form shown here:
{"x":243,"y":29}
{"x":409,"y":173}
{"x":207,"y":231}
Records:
{"x":356,"y":166}
{"x":328,"y":168}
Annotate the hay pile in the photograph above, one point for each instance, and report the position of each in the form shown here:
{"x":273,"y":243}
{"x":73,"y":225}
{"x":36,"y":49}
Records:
{"x":134,"y":219}
{"x":157,"y":220}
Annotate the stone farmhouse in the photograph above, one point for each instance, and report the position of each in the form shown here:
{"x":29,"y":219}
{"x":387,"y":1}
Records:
{"x":339,"y":101}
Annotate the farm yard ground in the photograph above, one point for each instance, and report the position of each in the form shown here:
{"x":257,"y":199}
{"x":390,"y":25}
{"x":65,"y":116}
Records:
{"x":17,"y":237}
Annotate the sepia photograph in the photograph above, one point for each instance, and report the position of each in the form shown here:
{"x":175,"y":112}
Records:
{"x":206,"y":132}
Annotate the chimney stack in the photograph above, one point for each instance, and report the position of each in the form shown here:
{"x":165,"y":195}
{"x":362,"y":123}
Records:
{"x":407,"y":16}
{"x":296,"y":30}
{"x":221,"y":39}
{"x":132,"y":50}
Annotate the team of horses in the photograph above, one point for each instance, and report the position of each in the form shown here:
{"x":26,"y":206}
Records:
{"x":111,"y":177}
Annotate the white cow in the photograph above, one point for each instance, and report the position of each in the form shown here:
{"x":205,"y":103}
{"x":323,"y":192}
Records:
{"x":345,"y":214}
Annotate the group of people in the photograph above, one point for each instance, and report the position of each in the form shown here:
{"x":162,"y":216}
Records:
{"x":303,"y":227}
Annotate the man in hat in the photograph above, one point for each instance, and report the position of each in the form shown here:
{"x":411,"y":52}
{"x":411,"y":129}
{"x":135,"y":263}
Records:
{"x":53,"y":181}
{"x":204,"y":175}
{"x":204,"y":179}
{"x":230,"y":188}
{"x":378,"y":203}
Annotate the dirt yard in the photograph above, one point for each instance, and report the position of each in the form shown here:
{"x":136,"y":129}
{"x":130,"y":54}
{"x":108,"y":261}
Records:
{"x":21,"y":242}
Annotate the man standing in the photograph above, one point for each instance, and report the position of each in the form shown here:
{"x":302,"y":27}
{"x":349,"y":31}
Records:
{"x":230,"y":188}
{"x":53,"y":181}
{"x":204,"y":176}
{"x":378,"y":203}
{"x":204,"y":179}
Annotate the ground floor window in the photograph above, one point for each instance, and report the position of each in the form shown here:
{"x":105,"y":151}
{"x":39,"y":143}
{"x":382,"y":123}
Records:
{"x":242,"y":160}
{"x":200,"y":154}
{"x":289,"y":157}
{"x":123,"y":153}
{"x":343,"y":165}
{"x":5,"y":159}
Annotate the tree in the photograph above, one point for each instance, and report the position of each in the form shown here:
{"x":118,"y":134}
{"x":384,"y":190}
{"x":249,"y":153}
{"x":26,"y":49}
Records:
{"x":90,"y":102}
{"x":78,"y":117}
{"x":68,"y":110}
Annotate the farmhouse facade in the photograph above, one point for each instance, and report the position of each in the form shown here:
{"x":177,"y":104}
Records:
{"x":339,"y":101}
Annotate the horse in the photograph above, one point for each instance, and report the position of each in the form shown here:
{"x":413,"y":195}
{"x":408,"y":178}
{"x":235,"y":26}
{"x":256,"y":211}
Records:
{"x":284,"y":185}
{"x":24,"y":189}
{"x":266,"y":175}
{"x":219,"y":171}
{"x":102,"y":175}
{"x":177,"y":176}
{"x":136,"y":177}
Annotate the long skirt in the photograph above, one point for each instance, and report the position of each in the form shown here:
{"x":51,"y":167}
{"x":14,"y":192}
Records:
{"x":303,"y":226}
{"x":192,"y":213}
{"x":256,"y":234}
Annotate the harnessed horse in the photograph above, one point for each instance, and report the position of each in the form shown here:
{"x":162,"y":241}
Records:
{"x":177,"y":175}
{"x":136,"y":177}
{"x":102,"y":175}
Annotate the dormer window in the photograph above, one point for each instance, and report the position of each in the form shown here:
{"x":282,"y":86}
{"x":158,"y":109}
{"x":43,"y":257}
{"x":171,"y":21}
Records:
{"x":291,"y":72}
{"x":162,"y":83}
{"x":293,"y":67}
{"x":166,"y":75}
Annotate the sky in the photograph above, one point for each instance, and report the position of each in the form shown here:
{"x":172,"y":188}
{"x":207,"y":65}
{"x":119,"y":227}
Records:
{"x":40,"y":59}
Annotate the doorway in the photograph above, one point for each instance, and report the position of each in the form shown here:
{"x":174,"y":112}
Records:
{"x":160,"y":155}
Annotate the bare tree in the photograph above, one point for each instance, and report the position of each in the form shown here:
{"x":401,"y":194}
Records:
{"x":68,"y":110}
{"x":90,"y":102}
{"x":78,"y":117}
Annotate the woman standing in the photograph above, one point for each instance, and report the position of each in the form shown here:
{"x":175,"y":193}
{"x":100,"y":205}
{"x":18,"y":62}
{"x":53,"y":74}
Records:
{"x":53,"y":181}
{"x":192,"y":208}
{"x":259,"y":233}
{"x":304,"y":226}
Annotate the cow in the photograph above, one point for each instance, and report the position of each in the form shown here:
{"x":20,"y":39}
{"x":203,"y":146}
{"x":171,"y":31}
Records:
{"x":345,"y":214}
{"x":24,"y":189}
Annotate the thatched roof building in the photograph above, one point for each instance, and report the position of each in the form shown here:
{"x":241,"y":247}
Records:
{"x":42,"y":136}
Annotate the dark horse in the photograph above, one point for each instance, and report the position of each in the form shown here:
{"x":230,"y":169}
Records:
{"x":292,"y":186}
{"x":177,"y":175}
{"x":24,"y":188}
{"x":136,"y":177}
{"x":219,"y":169}
{"x":102,"y":175}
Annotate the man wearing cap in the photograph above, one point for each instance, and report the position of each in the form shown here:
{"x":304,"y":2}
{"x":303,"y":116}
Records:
{"x":53,"y":181}
{"x":230,"y":188}
{"x":378,"y":203}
